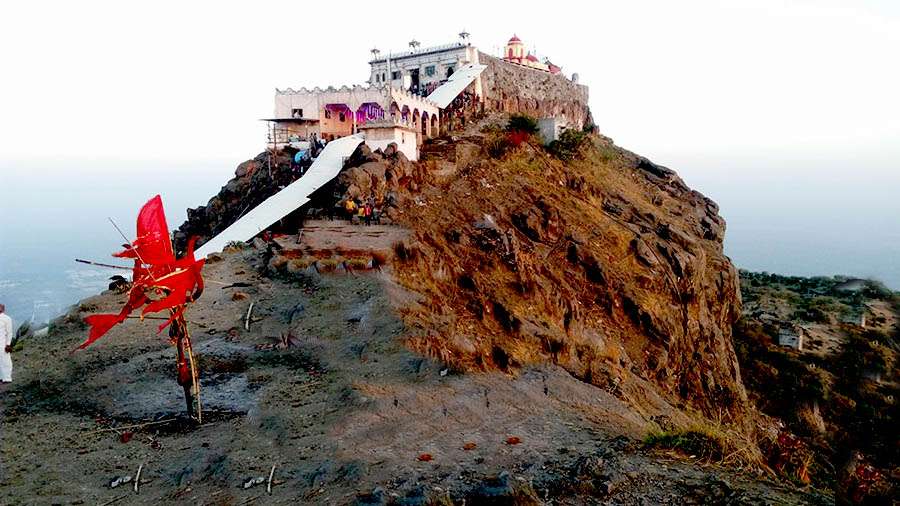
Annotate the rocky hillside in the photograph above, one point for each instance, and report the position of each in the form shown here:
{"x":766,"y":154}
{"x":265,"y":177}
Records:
{"x":608,"y":265}
{"x":835,"y":396}
{"x":528,"y":325}
{"x":254,"y":181}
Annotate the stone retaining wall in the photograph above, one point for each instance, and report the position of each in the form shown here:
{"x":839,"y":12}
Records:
{"x":513,"y":88}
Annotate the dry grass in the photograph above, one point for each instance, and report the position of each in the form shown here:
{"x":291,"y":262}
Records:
{"x":700,"y":442}
{"x":358,"y":262}
{"x":328,"y":264}
{"x":712,"y":441}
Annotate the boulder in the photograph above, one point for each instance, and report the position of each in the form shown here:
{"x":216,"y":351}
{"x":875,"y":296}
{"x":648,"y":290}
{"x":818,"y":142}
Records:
{"x":361,"y":155}
{"x":246,"y":168}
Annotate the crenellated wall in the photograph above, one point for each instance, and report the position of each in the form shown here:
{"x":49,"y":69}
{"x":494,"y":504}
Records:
{"x":513,"y":88}
{"x":305,"y":104}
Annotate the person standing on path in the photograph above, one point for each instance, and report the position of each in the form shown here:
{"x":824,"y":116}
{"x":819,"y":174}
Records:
{"x":350,"y":206}
{"x":6,"y":337}
{"x":368,"y":214}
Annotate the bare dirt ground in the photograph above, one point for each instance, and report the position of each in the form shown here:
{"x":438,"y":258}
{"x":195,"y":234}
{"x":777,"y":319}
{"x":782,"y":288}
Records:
{"x":322,"y":387}
{"x":341,"y":235}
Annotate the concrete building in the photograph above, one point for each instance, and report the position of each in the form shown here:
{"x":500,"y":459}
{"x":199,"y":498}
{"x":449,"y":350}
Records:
{"x":791,"y":336}
{"x":550,"y":129}
{"x":379,"y":134}
{"x":420,"y":70}
{"x":337,"y":112}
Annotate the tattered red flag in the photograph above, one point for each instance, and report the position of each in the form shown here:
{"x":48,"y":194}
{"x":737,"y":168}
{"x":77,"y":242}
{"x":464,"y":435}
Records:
{"x":101,"y":323}
{"x":152,"y":244}
{"x":155,"y":271}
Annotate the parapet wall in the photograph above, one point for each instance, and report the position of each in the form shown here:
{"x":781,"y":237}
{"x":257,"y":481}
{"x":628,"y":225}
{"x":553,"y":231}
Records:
{"x":513,"y":88}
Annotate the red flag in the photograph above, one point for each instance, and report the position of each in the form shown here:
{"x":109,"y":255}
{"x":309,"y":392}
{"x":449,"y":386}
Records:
{"x":155,"y":270}
{"x":101,"y":323}
{"x":186,"y":281}
{"x":152,"y":245}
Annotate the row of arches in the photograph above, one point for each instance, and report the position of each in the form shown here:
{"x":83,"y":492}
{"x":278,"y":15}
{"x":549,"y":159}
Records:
{"x":426,"y":124}
{"x":340,"y":119}
{"x":367,"y":111}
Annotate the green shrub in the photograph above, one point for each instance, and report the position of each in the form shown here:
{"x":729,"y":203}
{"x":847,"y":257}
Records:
{"x":522,"y":123}
{"x":876,"y":290}
{"x":568,"y":145}
{"x":812,"y":314}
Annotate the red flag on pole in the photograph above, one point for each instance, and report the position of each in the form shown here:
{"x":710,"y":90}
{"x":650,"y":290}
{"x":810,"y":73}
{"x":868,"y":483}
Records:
{"x":152,"y":244}
{"x":156,"y":273}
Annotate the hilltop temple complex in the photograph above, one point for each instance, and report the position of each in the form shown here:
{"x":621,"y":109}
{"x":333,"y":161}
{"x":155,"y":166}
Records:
{"x":515,"y":52}
{"x":419,"y":93}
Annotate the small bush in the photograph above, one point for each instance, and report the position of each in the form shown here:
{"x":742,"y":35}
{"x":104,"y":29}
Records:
{"x":812,"y":314}
{"x":522,"y":123}
{"x":568,"y":145}
{"x":701,"y":442}
{"x":496,"y":144}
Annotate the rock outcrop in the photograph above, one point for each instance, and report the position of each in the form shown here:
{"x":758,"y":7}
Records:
{"x":513,"y":88}
{"x":254,"y":181}
{"x":379,"y":174}
{"x":608,"y":265}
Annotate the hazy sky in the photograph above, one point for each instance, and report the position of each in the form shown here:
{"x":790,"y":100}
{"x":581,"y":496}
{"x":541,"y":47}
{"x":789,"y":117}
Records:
{"x":773,"y":85}
{"x":787,"y":113}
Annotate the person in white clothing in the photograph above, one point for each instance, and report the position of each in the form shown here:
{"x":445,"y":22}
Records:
{"x":6,"y":337}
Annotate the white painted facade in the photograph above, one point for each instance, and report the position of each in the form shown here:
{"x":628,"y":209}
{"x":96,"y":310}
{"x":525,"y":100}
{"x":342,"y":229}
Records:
{"x":309,"y":104}
{"x":551,"y":128}
{"x":423,"y":69}
{"x":379,"y":135}
{"x":364,"y":104}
